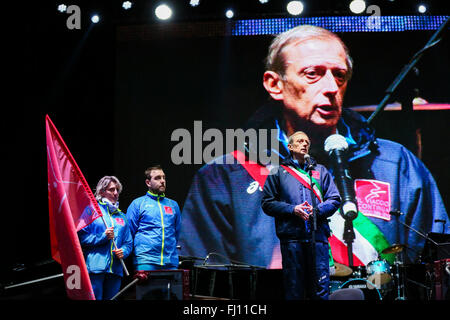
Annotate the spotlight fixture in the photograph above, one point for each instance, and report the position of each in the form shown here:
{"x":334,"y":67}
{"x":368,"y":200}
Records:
{"x":95,"y":18}
{"x":422,"y":8}
{"x":263,"y":1}
{"x":127,"y":5}
{"x":163,"y":12}
{"x":357,"y":6}
{"x":229,"y":14}
{"x":295,"y":7}
{"x":62,"y":8}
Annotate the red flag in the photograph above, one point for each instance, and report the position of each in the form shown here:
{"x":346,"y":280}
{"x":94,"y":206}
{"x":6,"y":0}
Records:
{"x":72,"y":206}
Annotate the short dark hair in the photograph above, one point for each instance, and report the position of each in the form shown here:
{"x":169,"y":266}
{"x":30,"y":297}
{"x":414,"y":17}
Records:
{"x":149,"y":170}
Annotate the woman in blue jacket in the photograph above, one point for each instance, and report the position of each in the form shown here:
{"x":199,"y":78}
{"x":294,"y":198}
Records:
{"x":102,"y":260}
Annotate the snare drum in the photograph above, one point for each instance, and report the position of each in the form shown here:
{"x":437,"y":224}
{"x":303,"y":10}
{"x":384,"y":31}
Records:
{"x":378,"y":273}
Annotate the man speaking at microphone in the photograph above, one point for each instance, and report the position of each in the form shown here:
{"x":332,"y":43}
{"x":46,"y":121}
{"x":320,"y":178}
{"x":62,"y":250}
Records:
{"x":301,"y":195}
{"x":307,"y":72}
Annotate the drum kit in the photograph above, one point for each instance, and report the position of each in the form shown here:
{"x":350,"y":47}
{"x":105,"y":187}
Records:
{"x":377,"y":275}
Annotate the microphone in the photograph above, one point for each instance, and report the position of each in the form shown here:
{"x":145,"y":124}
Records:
{"x":336,"y":145}
{"x":396,"y":213}
{"x":206,"y":259}
{"x":308,"y":161}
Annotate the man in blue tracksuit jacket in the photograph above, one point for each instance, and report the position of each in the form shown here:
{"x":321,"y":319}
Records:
{"x":155,"y":225}
{"x":291,"y":198}
{"x":222,"y":212}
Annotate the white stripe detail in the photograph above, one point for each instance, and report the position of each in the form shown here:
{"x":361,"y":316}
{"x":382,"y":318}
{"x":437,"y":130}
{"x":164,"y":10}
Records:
{"x":61,"y":202}
{"x":362,"y":248}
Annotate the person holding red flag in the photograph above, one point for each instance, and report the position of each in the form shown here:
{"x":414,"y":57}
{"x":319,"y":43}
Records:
{"x":102,"y":258}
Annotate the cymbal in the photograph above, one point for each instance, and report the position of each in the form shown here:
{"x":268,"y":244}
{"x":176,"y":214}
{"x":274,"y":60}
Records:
{"x":395,"y":248}
{"x":341,"y":270}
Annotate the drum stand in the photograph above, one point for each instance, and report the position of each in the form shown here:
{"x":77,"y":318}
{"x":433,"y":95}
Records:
{"x":400,"y":277}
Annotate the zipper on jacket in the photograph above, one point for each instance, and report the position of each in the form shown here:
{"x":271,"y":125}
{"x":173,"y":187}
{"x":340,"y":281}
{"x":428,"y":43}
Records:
{"x":111,"y":249}
{"x":162,"y":224}
{"x":112,"y":257}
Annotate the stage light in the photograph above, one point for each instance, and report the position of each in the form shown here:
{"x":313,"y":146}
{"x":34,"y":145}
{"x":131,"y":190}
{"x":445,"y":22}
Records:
{"x":338,"y":24}
{"x":95,"y":18}
{"x":295,"y":7}
{"x":194,"y":3}
{"x":422,"y":8}
{"x":263,"y":1}
{"x":62,"y":8}
{"x":357,"y":6}
{"x":127,"y":5}
{"x":229,"y":14}
{"x":163,"y":12}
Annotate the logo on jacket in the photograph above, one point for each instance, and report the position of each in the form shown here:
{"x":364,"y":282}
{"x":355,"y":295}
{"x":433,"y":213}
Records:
{"x":374,"y":198}
{"x":315,"y":174}
{"x":120,"y":221}
{"x":168,"y":210}
{"x":253,"y":187}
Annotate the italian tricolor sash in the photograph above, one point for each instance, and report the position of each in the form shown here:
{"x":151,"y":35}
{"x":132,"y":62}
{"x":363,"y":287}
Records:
{"x":368,"y":244}
{"x":304,"y":179}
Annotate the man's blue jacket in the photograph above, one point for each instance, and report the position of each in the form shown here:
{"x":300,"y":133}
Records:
{"x":283,"y":191}
{"x":155,"y":227}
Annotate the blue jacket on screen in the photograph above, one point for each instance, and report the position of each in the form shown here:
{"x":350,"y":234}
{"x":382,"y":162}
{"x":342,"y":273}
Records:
{"x":222,"y":211}
{"x":155,"y":227}
{"x":98,"y":249}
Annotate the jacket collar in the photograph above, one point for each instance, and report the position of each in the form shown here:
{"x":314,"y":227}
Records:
{"x":293,"y":162}
{"x":155,"y":196}
{"x":108,"y":208}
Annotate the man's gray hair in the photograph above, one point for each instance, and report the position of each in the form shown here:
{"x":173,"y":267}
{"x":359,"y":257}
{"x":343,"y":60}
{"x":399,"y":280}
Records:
{"x":275,"y":60}
{"x":291,"y":137}
{"x":104,"y":183}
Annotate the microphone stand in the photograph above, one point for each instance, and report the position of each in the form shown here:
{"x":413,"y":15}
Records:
{"x":313,"y":215}
{"x":406,"y":69}
{"x":397,"y":213}
{"x":349,"y":236}
{"x":349,"y":232}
